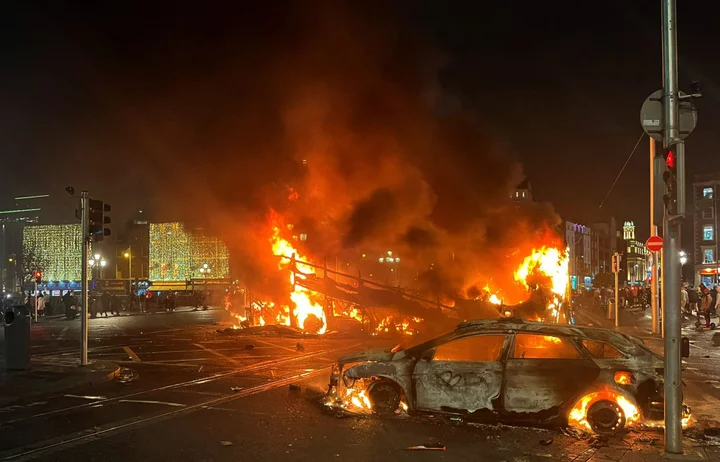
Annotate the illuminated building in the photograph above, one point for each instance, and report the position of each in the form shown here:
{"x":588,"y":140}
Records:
{"x":706,"y":188}
{"x":53,"y":249}
{"x":636,"y":255}
{"x":178,"y":253}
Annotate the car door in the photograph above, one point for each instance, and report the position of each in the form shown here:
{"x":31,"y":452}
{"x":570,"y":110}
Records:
{"x":461,"y":375}
{"x":543,"y":372}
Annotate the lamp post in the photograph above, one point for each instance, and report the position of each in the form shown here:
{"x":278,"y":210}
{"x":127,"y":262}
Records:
{"x":128,"y":255}
{"x":390,"y":259}
{"x":205,"y":271}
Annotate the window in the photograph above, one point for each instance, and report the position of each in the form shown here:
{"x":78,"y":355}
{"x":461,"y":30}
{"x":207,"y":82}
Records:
{"x":708,"y":234}
{"x":532,"y":346}
{"x":707,"y":213}
{"x":471,"y":349}
{"x":708,"y":255}
{"x":601,"y":350}
{"x":708,"y":193}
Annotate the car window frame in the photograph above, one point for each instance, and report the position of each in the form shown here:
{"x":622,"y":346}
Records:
{"x":582,"y":354}
{"x":429,"y":354}
{"x":591,"y":356}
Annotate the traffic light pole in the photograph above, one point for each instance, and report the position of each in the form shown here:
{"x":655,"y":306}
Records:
{"x":84,"y":225}
{"x":671,"y":256}
{"x":653,"y":232}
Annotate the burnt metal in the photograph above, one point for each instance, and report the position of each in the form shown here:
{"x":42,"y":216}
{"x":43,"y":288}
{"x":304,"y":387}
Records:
{"x":540,"y":391}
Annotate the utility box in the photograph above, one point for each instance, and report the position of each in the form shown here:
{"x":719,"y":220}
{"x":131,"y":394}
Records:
{"x":17,"y":338}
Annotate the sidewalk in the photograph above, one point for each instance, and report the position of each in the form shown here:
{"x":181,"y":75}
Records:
{"x":46,"y":378}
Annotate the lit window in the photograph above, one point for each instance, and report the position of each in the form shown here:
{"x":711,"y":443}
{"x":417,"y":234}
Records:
{"x":531,"y":346}
{"x":708,"y":193}
{"x":478,"y":348}
{"x":523,"y":193}
{"x":709,"y":255}
{"x":708,"y":232}
{"x":601,"y":350}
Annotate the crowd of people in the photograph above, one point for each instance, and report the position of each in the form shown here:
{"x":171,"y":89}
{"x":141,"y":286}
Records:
{"x":704,"y":301}
{"x":106,"y":302}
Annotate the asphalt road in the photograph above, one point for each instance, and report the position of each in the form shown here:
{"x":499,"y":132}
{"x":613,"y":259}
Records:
{"x":190,"y":393}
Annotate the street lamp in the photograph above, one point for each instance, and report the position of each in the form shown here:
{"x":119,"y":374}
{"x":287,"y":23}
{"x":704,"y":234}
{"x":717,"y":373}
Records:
{"x":683,"y":257}
{"x":97,"y":256}
{"x":205,"y":271}
{"x":128,"y":255}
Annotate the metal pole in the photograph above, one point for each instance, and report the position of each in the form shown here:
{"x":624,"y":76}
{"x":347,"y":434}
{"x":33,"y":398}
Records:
{"x":36,"y":301}
{"x":85,"y":230}
{"x":653,"y":232}
{"x":671,"y":257}
{"x":617,"y":296}
{"x":671,"y":326}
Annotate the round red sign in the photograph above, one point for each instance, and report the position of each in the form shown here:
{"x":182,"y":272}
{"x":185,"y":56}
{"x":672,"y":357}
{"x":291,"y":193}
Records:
{"x":654,"y":243}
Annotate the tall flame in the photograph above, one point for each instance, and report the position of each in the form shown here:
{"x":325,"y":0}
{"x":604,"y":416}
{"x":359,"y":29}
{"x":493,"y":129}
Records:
{"x":547,"y":261}
{"x":300,"y":296}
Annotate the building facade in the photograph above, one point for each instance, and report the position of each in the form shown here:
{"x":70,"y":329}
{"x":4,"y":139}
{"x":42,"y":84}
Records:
{"x":177,"y":253}
{"x":635,"y":258}
{"x":705,"y":224}
{"x":522,"y":192}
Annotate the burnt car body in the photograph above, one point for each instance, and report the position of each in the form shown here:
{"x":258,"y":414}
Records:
{"x":512,"y":371}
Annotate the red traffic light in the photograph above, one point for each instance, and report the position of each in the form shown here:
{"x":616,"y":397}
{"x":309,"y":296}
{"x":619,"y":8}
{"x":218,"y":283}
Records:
{"x":670,"y":160}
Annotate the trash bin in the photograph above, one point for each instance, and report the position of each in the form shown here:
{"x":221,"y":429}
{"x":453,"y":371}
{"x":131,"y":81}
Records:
{"x":17,"y":338}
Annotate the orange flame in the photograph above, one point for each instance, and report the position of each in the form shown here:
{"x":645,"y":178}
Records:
{"x":552,"y":263}
{"x":578,"y":414}
{"x":300,"y":296}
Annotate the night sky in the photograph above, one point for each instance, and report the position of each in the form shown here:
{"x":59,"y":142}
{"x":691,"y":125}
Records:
{"x":89,"y":95}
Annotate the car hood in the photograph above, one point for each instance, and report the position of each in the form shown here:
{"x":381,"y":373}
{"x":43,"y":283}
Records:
{"x":376,"y":354}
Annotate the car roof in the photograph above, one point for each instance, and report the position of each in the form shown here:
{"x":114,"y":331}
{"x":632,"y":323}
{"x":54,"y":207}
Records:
{"x":517,"y":325}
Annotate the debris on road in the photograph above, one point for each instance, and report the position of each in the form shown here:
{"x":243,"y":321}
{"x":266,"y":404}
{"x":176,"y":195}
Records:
{"x":300,"y":347}
{"x":249,"y":346}
{"x":427,"y":447}
{"x":127,"y":375}
{"x":226,"y":443}
{"x":546,"y":442}
{"x":235,"y":389}
{"x":294,"y":387}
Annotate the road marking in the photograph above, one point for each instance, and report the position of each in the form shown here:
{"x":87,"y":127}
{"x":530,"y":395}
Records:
{"x":216,"y":353}
{"x":293,"y":350}
{"x":94,"y":398}
{"x":257,"y":366}
{"x":147,"y":401}
{"x":61,"y":336}
{"x":52,"y":445}
{"x":131,"y":353}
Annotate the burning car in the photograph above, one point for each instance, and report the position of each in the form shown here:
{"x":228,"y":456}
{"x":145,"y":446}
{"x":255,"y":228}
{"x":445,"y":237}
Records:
{"x":513,"y":372}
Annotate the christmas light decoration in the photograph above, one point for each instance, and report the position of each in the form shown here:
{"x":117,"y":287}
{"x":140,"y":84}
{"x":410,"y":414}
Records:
{"x":178,"y":253}
{"x":53,"y":249}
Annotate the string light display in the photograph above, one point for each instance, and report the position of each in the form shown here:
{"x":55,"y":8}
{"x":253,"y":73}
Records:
{"x":177,"y":254}
{"x":58,"y":247}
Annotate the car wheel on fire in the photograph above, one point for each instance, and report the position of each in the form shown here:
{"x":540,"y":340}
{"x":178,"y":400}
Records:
{"x":605,"y":417}
{"x":385,"y":397}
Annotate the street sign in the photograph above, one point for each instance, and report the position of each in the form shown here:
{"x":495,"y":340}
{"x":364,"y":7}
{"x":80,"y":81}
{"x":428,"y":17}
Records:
{"x":651,"y":116}
{"x":654,"y":243}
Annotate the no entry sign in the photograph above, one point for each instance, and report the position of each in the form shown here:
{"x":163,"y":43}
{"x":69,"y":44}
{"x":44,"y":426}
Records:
{"x":654,"y":243}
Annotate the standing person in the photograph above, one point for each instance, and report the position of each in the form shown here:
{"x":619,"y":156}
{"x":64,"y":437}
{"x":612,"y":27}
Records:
{"x":684,"y":299}
{"x":115,"y":305}
{"x":41,"y":304}
{"x":692,"y":299}
{"x":105,"y":302}
{"x":706,"y":303}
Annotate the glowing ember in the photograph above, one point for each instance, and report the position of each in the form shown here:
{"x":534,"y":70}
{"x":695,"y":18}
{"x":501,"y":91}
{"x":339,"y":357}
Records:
{"x":494,"y":300}
{"x":397,"y":324}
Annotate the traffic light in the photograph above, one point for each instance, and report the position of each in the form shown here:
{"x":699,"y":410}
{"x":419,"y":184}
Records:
{"x":98,"y":220}
{"x":38,"y":276}
{"x":616,"y":263}
{"x":670,"y":179}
